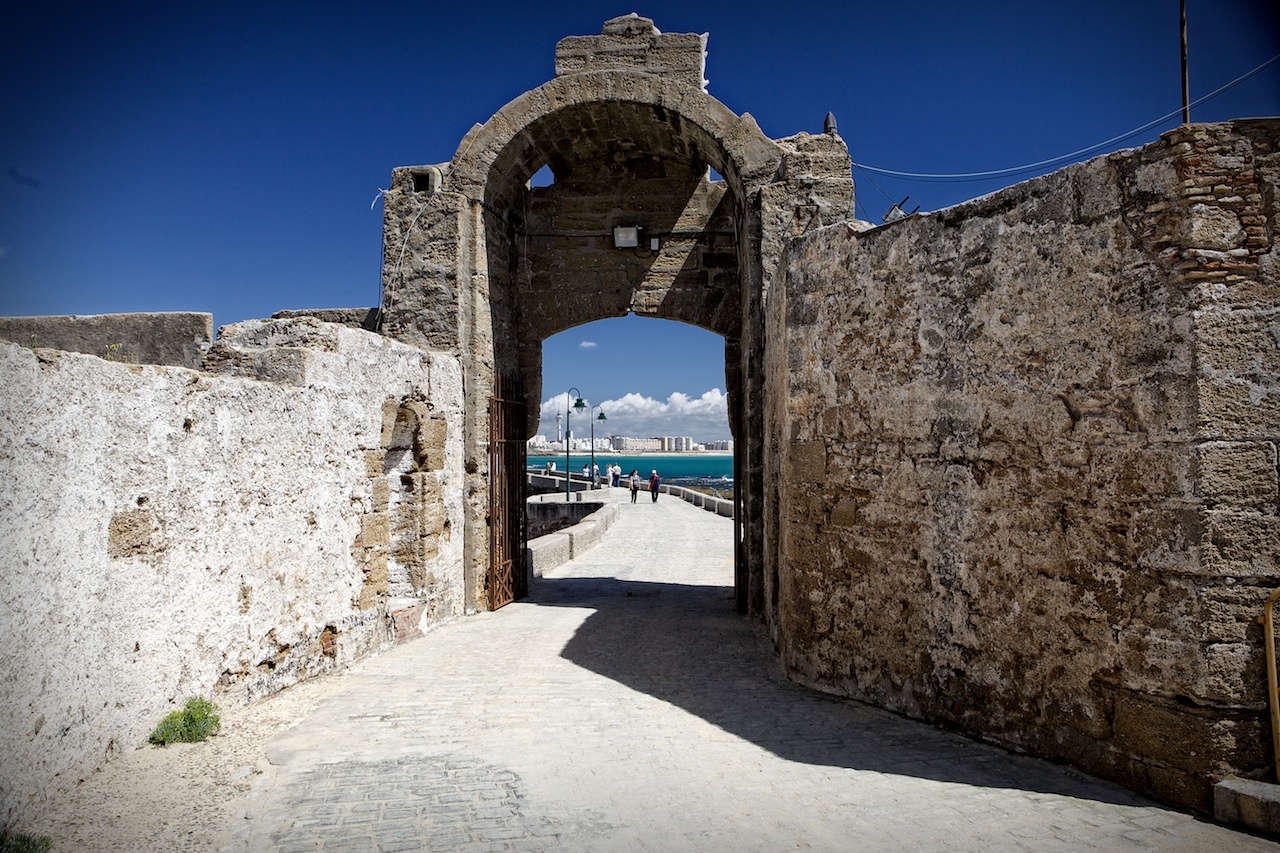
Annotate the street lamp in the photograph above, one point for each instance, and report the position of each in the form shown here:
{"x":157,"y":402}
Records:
{"x":579,"y":405}
{"x":599,"y":417}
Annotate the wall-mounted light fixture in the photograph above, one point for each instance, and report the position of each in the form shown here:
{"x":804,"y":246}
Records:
{"x":626,"y":236}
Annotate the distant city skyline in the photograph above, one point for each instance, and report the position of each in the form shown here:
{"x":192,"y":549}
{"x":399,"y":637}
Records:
{"x":625,"y":443}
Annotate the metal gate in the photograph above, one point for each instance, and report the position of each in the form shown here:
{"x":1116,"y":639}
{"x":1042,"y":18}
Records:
{"x":507,"y":493}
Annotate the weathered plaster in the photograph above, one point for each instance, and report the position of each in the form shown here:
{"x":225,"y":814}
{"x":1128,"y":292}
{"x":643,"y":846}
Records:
{"x":168,"y":533}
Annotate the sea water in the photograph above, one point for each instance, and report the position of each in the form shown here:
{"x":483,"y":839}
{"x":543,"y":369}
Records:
{"x":675,"y":469}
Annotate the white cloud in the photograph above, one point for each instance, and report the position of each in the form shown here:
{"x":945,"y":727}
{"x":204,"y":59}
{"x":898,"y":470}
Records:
{"x":706,"y":418}
{"x":587,"y":345}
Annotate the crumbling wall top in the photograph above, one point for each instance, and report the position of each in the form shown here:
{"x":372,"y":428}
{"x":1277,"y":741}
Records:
{"x":632,"y":43}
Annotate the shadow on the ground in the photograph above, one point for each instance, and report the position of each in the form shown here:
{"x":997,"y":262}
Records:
{"x":685,"y":645}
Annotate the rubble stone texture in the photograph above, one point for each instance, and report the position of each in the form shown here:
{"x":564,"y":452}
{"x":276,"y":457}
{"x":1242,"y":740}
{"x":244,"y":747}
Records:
{"x":171,"y":533}
{"x":1023,"y":474}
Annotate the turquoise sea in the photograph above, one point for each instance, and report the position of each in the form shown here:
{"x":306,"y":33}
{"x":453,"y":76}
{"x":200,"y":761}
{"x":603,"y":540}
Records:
{"x":676,"y":469}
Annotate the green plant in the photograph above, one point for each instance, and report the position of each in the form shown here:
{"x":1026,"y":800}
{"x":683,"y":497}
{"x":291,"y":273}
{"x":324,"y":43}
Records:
{"x":197,"y":721}
{"x":21,"y":842}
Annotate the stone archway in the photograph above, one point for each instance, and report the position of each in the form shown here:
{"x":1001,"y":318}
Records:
{"x":479,"y":263}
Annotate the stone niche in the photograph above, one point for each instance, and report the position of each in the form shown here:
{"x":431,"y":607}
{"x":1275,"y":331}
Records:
{"x":1022,"y":461}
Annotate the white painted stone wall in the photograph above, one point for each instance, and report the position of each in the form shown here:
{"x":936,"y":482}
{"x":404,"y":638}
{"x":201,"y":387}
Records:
{"x":166,"y":533}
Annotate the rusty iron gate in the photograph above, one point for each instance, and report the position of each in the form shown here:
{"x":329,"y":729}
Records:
{"x":507,"y":493}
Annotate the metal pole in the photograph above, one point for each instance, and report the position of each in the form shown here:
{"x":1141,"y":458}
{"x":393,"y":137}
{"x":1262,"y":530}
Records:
{"x":592,"y":472}
{"x":1186,"y":86}
{"x":1273,"y":693}
{"x":568,"y":495}
{"x":573,"y":393}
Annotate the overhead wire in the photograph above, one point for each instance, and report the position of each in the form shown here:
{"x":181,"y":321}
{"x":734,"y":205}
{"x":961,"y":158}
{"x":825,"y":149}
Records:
{"x":1031,"y":167}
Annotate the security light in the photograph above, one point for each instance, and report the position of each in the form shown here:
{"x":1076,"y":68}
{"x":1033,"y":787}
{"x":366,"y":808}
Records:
{"x":626,"y":236}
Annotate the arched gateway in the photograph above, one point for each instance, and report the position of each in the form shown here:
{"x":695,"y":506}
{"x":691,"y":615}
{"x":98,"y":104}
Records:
{"x":478,"y":263}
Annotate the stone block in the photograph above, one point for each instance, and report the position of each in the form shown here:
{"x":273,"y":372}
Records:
{"x":1238,"y":410}
{"x":1163,"y":731}
{"x":547,"y":552}
{"x":373,"y":460}
{"x":584,"y":536}
{"x":1239,"y":343}
{"x":1230,"y":613}
{"x":1249,"y":805}
{"x":178,"y":339}
{"x":1242,"y":544}
{"x":1239,"y":475}
{"x":375,"y":529}
{"x":1211,"y":227}
{"x":1233,"y":671}
{"x":808,"y":461}
{"x":1169,"y":538}
{"x":381,"y":494}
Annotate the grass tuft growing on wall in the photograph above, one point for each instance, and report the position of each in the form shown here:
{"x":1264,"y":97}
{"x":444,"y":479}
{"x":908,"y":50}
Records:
{"x":21,"y":842}
{"x":197,"y":721}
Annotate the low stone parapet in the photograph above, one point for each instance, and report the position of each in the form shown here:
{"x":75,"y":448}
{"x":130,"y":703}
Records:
{"x":710,"y":503}
{"x":547,"y":552}
{"x":552,"y":482}
{"x":175,"y":338}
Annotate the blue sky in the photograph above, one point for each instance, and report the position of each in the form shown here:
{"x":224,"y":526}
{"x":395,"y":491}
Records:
{"x":223,"y":157}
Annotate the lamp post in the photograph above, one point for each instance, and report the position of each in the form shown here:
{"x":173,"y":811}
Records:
{"x":579,"y":405}
{"x":599,"y":417}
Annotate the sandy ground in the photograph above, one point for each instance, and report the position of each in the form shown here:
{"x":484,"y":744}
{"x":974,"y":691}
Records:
{"x":182,"y":797}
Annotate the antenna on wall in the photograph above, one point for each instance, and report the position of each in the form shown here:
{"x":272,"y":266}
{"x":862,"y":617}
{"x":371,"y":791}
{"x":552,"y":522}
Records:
{"x":1186,"y":88}
{"x":896,"y":212}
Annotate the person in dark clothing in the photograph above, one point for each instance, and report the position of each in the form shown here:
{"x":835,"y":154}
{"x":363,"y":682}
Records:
{"x":635,"y":484}
{"x":654,"y":482}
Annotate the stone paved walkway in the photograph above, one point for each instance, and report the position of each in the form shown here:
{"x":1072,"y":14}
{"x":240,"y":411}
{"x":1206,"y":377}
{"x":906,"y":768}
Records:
{"x":625,"y":707}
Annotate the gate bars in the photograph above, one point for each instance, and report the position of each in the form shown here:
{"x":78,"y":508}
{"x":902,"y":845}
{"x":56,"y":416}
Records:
{"x":507,"y":493}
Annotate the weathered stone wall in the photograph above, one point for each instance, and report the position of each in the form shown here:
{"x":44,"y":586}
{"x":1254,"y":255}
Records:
{"x":632,"y":42}
{"x":693,"y":274}
{"x":457,"y":267}
{"x":1023,"y":471}
{"x":357,"y":318}
{"x":167,"y":533}
{"x":174,"y":338}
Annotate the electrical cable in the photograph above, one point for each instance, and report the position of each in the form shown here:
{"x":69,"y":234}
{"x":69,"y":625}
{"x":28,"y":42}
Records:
{"x":867,"y":175}
{"x":1031,"y":167}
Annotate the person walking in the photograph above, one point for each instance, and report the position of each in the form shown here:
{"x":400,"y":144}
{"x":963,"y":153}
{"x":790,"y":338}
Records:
{"x":654,"y":482}
{"x":635,"y":484}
